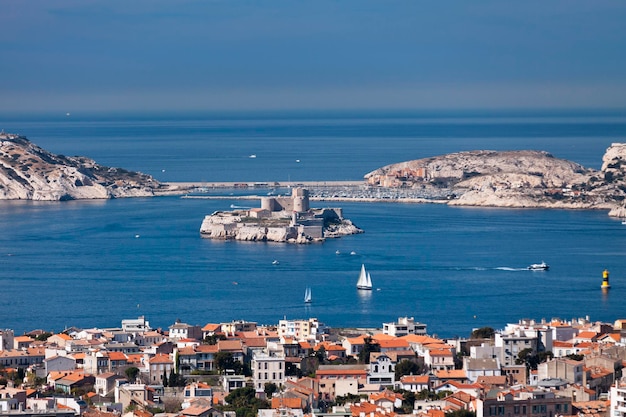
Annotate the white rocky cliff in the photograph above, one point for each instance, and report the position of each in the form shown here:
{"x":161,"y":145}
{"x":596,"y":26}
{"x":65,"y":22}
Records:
{"x":28,"y":172}
{"x":514,"y":179}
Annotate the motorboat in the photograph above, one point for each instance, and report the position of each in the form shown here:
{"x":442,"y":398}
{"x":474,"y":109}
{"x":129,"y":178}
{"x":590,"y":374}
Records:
{"x":539,"y":267}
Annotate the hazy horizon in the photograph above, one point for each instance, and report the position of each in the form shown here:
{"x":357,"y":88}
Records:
{"x":96,"y":56}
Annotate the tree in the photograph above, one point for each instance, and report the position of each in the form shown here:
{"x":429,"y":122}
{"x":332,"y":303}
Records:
{"x":213,"y":339}
{"x":292,"y":370}
{"x":270,"y":388}
{"x":408,"y":401}
{"x":483,"y":333}
{"x":164,"y":378}
{"x":131,"y":373}
{"x":225,"y":360}
{"x":368,"y":347}
{"x":531,"y":360}
{"x":244,"y":402}
{"x":406,"y":367}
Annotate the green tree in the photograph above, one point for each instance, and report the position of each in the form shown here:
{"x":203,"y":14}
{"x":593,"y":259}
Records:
{"x":531,"y":359}
{"x":483,"y":333}
{"x":213,"y":339}
{"x":43,"y":337}
{"x":408,"y":401}
{"x":131,"y":373}
{"x":165,"y":384}
{"x":270,"y":388}
{"x":244,"y":402}
{"x":368,"y":347}
{"x":320,"y":354}
{"x":292,"y":370}
{"x":406,"y":367}
{"x":225,"y":360}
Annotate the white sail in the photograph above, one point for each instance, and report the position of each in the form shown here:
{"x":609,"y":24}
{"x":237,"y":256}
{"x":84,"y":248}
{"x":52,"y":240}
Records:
{"x":365,"y":281}
{"x":307,"y":295}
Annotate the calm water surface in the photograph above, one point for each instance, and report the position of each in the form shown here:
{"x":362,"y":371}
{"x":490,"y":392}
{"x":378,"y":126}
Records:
{"x":81,"y":264}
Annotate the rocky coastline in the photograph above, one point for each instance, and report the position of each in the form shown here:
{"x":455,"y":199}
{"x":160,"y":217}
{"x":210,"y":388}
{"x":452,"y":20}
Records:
{"x":516,"y":179}
{"x":28,"y":172}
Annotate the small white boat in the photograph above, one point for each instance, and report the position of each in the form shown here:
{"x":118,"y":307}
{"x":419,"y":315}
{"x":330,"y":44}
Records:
{"x":252,"y":156}
{"x":353,"y":253}
{"x":539,"y":267}
{"x":275,"y":262}
{"x":365,"y":280}
{"x":307,"y":295}
{"x":337,"y":252}
{"x":624,"y":221}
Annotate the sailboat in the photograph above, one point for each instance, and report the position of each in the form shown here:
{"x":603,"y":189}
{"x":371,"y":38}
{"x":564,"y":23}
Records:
{"x":307,"y":295}
{"x":365,"y":280}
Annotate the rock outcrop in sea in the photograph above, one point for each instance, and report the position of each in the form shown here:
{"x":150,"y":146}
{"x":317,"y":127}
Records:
{"x":28,"y":172}
{"x":513,"y":179}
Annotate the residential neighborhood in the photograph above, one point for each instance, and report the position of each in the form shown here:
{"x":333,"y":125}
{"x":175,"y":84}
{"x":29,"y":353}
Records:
{"x":302,"y":367}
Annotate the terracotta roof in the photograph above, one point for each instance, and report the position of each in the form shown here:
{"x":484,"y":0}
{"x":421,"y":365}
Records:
{"x":424,"y":340}
{"x":386,"y":395}
{"x":393,"y":343}
{"x":117,"y":356}
{"x":586,"y":335}
{"x":229,"y":345}
{"x":440,"y":352}
{"x":161,"y":358}
{"x":278,"y":402}
{"x":451,"y":374}
{"x":359,"y":340}
{"x":195,"y":410}
{"x":211,"y":327}
{"x":415,"y":379}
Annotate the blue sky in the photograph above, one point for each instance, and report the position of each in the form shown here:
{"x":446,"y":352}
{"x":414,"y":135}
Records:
{"x":103,"y":55}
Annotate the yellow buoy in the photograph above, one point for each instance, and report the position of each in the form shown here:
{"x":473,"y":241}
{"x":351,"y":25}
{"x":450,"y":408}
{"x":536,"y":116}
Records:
{"x":605,"y":280}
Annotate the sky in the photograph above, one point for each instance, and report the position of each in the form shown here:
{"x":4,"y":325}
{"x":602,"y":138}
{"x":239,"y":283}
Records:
{"x":147,"y":55}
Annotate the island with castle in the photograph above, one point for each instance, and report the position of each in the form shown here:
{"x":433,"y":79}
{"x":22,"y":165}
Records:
{"x":279,"y":219}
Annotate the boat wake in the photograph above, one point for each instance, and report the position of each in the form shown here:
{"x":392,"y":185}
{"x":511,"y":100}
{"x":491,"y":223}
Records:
{"x":506,"y":268}
{"x":238,"y":207}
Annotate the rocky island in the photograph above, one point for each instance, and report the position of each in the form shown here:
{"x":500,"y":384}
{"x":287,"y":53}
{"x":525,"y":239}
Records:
{"x":511,"y":179}
{"x":28,"y":172}
{"x":279,"y":219}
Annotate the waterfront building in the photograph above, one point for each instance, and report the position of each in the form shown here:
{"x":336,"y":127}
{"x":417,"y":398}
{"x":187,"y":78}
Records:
{"x":302,"y":329}
{"x":404,"y":326}
{"x":180,"y":330}
{"x":236,"y":326}
{"x":510,"y":345}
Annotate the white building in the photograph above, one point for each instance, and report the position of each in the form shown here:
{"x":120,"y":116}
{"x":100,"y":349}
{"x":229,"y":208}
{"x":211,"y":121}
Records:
{"x":138,"y":325}
{"x":267,"y":367}
{"x":381,"y":371}
{"x":403,"y":327}
{"x":618,"y":400}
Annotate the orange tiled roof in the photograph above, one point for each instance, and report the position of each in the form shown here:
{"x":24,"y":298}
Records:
{"x":278,"y":402}
{"x":424,"y":340}
{"x":117,"y":356}
{"x":440,"y":352}
{"x":359,"y":340}
{"x":386,"y":395}
{"x":161,"y":358}
{"x":393,"y":343}
{"x":211,"y":327}
{"x":415,"y":379}
{"x":586,"y":335}
{"x":451,"y":374}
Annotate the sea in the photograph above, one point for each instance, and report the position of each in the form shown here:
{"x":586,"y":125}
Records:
{"x":94,"y":263}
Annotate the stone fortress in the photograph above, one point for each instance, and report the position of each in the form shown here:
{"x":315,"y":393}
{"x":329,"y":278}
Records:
{"x":279,"y":219}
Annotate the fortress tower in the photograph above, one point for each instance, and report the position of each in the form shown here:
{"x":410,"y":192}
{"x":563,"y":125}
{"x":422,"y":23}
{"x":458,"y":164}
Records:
{"x":300,"y":198}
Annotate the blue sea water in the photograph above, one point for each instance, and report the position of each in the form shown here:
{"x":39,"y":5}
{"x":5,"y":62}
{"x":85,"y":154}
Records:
{"x":80,"y":263}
